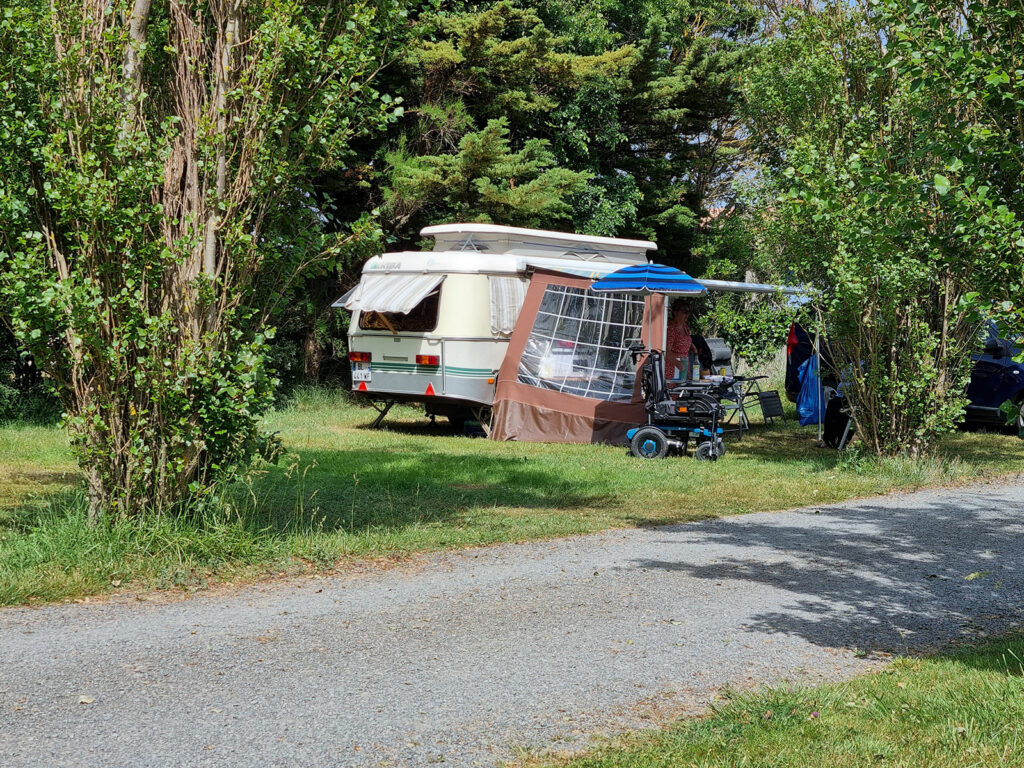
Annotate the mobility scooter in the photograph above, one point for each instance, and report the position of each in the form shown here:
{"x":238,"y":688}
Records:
{"x":691,"y":409}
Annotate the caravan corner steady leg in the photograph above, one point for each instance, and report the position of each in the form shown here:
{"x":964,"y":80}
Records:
{"x":382,"y":411}
{"x":483,"y":415}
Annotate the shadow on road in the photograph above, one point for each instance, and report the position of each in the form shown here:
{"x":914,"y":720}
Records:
{"x":877,"y":577}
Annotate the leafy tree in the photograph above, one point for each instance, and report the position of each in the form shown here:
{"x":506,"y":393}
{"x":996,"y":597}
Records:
{"x":636,"y":98}
{"x":967,"y":61}
{"x":680,"y":137}
{"x":483,"y":91}
{"x":154,"y":166}
{"x":483,"y":180}
{"x":754,"y":325}
{"x":858,"y":150}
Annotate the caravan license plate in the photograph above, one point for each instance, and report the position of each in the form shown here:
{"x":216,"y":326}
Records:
{"x":360,"y":371}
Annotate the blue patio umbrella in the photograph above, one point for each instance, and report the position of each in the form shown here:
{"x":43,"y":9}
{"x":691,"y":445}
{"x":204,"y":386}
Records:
{"x":649,"y":278}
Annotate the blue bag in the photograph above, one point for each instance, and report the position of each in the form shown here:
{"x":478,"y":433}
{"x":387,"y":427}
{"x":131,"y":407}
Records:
{"x":810,"y":402}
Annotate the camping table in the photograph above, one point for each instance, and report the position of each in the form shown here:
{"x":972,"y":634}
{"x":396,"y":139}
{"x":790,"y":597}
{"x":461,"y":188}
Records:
{"x":744,"y":390}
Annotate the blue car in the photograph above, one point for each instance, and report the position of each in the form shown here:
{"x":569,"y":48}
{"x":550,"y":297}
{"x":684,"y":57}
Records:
{"x":995,"y":378}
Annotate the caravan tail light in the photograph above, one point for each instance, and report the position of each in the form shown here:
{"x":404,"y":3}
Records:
{"x":428,"y":360}
{"x":359,"y":357}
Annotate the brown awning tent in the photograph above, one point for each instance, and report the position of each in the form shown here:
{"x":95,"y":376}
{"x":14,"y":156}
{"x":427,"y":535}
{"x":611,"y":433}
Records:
{"x":568,"y":376}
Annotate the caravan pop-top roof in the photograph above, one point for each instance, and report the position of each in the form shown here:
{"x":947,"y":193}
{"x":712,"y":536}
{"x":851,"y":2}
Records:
{"x":492,"y":238}
{"x":492,"y":249}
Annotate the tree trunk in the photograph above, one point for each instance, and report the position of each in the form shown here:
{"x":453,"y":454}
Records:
{"x":132,"y":69}
{"x":220,"y":108}
{"x":313,"y":354}
{"x":97,"y":496}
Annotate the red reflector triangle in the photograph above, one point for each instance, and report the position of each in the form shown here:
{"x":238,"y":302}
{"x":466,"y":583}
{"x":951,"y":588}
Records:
{"x":362,"y":386}
{"x":430,"y":389}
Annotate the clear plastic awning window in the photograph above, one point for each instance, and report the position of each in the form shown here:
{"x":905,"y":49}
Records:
{"x":392,"y":293}
{"x":507,"y":295}
{"x":580,"y":342}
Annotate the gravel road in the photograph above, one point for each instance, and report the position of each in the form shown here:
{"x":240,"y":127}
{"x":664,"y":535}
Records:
{"x":471,"y":657}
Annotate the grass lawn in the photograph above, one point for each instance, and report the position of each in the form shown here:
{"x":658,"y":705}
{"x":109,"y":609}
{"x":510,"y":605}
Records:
{"x":961,"y":709}
{"x":345,"y":491}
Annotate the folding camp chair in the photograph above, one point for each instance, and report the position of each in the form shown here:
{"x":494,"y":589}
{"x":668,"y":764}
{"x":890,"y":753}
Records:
{"x":771,"y":405}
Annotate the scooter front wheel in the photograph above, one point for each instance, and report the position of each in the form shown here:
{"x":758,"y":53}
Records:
{"x":707,"y":451}
{"x":649,"y":443}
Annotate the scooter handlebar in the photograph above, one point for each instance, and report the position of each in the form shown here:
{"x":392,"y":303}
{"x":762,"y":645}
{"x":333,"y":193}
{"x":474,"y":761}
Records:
{"x":637,"y":350}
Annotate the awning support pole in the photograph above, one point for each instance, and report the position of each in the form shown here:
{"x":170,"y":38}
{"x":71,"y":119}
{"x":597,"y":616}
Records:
{"x":817,"y":384}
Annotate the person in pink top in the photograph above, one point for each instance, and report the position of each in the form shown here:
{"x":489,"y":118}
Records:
{"x":678,"y":341}
{"x":681,"y":345}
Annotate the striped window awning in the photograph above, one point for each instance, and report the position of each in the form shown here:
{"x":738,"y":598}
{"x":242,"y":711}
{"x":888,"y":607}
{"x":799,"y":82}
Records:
{"x":398,"y":293}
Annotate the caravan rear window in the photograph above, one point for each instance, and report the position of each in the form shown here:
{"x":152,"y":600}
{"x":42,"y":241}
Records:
{"x":422,"y":317}
{"x":580,"y":342}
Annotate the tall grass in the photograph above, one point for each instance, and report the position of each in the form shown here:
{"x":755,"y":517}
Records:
{"x":49,"y":550}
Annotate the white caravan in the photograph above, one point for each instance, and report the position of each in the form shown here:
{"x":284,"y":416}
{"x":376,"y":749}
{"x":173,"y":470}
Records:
{"x":433,"y":326}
